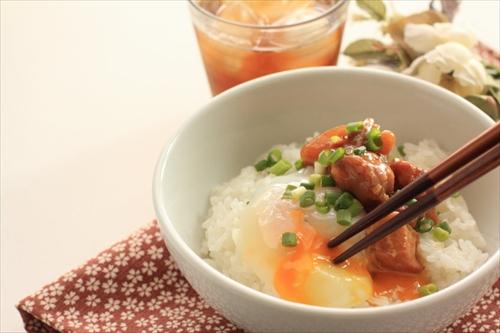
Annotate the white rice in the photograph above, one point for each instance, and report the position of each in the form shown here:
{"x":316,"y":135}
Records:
{"x":446,"y":262}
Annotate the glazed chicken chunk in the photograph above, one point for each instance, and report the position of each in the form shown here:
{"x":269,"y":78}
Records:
{"x":368,"y":177}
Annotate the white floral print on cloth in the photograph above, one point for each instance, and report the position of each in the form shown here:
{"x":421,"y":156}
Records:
{"x":136,"y":287}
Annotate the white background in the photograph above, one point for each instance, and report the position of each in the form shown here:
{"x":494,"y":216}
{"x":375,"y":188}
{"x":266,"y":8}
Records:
{"x":91,"y":91}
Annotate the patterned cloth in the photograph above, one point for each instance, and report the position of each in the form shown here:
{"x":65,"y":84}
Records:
{"x":136,"y":287}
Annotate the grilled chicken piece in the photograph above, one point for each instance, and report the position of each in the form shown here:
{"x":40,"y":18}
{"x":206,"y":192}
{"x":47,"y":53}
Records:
{"x":404,"y":172}
{"x":397,"y":252}
{"x":368,"y":177}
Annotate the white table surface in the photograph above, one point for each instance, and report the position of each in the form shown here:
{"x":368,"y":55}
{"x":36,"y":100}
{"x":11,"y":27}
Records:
{"x":91,"y":91}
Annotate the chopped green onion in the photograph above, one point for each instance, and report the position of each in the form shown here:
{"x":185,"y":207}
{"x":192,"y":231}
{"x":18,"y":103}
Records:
{"x":322,"y":207}
{"x":359,"y":150}
{"x":335,"y":139}
{"x":308,"y":186}
{"x":299,"y":164}
{"x":289,"y":239}
{"x":354,"y":127}
{"x":307,"y":199}
{"x":261,"y":165}
{"x":373,"y":139}
{"x":356,"y":208}
{"x":288,"y":192}
{"x":444,"y":225}
{"x":274,"y":156}
{"x":344,"y":217}
{"x":456,"y":195}
{"x":401,"y":150}
{"x":327,"y":180}
{"x":427,"y":289}
{"x":318,"y":168}
{"x":337,"y":155}
{"x":424,"y":225}
{"x":440,"y":234}
{"x":331,"y":197}
{"x":324,"y":157}
{"x":411,"y":202}
{"x":315,"y":179}
{"x":280,"y":168}
{"x":344,"y":201}
{"x":298,"y":192}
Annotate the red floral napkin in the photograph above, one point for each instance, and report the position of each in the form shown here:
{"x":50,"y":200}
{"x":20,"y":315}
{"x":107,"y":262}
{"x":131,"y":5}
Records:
{"x":136,"y":287}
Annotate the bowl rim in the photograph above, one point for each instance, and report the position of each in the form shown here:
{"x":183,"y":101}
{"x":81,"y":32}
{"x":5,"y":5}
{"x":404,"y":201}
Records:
{"x":175,"y":240}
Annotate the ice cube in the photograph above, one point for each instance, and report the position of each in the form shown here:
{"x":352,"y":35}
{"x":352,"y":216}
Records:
{"x":300,"y":34}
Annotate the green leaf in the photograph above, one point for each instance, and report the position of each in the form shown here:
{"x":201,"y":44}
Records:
{"x":373,"y":51}
{"x":493,"y":70}
{"x":487,"y":104}
{"x":375,"y":8}
{"x":494,"y":91}
{"x":364,"y":49}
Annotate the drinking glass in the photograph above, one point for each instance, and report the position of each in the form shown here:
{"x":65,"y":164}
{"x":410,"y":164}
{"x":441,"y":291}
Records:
{"x":240,"y":40}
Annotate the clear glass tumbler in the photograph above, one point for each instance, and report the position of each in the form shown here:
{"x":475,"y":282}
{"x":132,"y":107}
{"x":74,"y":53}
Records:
{"x":240,"y":40}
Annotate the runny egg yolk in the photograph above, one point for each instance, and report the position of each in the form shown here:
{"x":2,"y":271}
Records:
{"x":305,"y":274}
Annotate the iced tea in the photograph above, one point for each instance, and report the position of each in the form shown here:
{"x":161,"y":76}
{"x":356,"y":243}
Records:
{"x":240,"y":40}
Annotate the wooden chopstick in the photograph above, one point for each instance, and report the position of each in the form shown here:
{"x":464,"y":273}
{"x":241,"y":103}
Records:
{"x":472,"y":171}
{"x":459,"y":158}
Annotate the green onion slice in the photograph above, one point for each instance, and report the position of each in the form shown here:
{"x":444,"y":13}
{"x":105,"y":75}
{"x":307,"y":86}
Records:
{"x":337,"y":155}
{"x":440,"y":234}
{"x":359,"y":150}
{"x":444,"y":225}
{"x":322,"y":207}
{"x":344,"y":217}
{"x":308,"y":186}
{"x":288,"y":192}
{"x":327,"y":180}
{"x":401,"y":150}
{"x":356,"y":208}
{"x":373,"y":139}
{"x":325,"y":156}
{"x":299,"y":164}
{"x":331,"y":197}
{"x":274,"y":156}
{"x":307,"y":199}
{"x":354,"y":127}
{"x":261,"y":165}
{"x":427,"y":289}
{"x":424,"y":225}
{"x":315,"y":179}
{"x":411,"y":202}
{"x":344,"y":201}
{"x":289,"y":239}
{"x":280,"y":168}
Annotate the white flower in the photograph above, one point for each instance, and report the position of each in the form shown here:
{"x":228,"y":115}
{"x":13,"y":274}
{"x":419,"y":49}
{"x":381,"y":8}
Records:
{"x":453,"y":66}
{"x":92,"y":300}
{"x":70,"y":298}
{"x":71,"y":314}
{"x":148,"y":267}
{"x":134,"y":276}
{"x":112,"y":305}
{"x":28,"y":305}
{"x":92,"y":284}
{"x":92,"y":269}
{"x":110,"y":272}
{"x":424,"y":37}
{"x":110,"y":287}
{"x":48,"y":303}
{"x":155,"y":252}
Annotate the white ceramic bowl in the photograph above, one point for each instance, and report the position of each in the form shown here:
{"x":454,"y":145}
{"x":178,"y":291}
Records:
{"x":241,"y":123}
